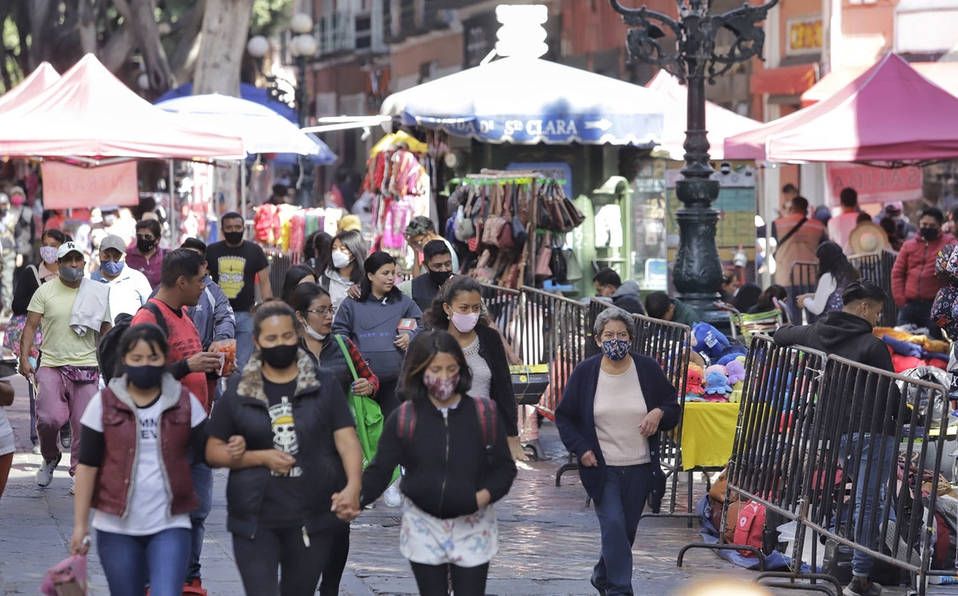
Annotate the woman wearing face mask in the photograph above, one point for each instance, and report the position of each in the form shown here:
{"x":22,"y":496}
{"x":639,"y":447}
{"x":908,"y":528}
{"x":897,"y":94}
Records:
{"x":459,"y":311}
{"x":139,"y":436}
{"x":345,"y":273}
{"x":613,"y":407}
{"x":457,"y":464}
{"x":314,"y":309}
{"x":381,"y":322}
{"x":24,"y":285}
{"x":290,"y":443}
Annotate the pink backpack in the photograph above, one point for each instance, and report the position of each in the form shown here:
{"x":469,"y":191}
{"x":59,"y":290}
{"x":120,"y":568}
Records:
{"x":66,"y":578}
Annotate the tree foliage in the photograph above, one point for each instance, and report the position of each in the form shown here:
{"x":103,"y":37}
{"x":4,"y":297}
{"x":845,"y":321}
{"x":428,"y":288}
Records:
{"x":158,"y":37}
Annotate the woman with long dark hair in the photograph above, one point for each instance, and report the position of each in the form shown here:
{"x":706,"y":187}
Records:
{"x":459,"y":311}
{"x":834,"y":275}
{"x":381,"y":322}
{"x":143,"y":499}
{"x":290,"y":444}
{"x":317,"y":251}
{"x":345,"y":272}
{"x":457,"y":464}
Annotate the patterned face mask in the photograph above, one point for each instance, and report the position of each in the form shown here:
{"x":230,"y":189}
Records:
{"x":440,"y":388}
{"x":616,"y":349}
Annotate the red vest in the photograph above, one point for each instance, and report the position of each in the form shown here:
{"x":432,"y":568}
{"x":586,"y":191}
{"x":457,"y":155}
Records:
{"x":115,"y":476}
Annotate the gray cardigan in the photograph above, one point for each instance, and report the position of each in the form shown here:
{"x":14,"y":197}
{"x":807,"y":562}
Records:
{"x":373,"y":324}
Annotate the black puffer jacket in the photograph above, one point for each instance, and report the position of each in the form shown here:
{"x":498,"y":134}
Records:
{"x":445,"y":461}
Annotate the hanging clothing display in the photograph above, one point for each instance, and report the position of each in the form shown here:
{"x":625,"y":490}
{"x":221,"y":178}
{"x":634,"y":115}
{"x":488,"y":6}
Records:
{"x":496,"y":216}
{"x":400,"y":187}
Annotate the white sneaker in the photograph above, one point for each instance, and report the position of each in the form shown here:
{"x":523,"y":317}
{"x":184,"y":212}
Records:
{"x":45,"y":473}
{"x":392,"y":497}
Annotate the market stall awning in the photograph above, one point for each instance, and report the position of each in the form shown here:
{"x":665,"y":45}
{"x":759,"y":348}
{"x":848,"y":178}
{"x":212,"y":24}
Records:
{"x":262,"y":129}
{"x":529,"y":101}
{"x":889,"y":114}
{"x":943,"y":74}
{"x":248,"y":92}
{"x":721,"y":123}
{"x":37,"y":82}
{"x":90,"y":113}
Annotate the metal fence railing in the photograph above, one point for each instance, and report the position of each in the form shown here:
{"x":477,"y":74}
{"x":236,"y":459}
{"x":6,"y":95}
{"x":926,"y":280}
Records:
{"x":876,"y":268}
{"x":849,"y":453}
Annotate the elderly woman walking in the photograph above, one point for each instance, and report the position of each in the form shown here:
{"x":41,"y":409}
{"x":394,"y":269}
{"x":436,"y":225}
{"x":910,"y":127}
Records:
{"x":613,"y":407}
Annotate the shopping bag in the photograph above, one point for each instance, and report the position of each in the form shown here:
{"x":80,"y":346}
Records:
{"x":66,"y":578}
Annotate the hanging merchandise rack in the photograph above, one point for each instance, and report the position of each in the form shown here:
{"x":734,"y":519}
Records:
{"x":497,"y":215}
{"x":400,"y":187}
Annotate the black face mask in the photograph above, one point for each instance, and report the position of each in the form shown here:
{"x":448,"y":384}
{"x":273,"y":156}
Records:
{"x":233,"y":237}
{"x":282,"y":356}
{"x":930,"y":234}
{"x":439,"y":277}
{"x":145,"y":377}
{"x":143,"y":245}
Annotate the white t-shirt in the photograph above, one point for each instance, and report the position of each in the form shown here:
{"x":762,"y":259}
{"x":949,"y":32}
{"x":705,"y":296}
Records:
{"x":149,"y":505}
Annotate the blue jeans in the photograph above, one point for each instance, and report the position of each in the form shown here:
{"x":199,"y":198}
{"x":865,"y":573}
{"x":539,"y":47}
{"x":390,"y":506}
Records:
{"x":244,"y":338}
{"x":203,"y":485}
{"x":872,"y":474}
{"x":129,"y":562}
{"x":624,"y":493}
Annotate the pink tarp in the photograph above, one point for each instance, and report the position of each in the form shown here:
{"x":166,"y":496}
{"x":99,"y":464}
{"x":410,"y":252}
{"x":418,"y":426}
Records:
{"x":721,"y":123}
{"x":890,"y":113}
{"x":90,"y":113}
{"x":36,"y":83}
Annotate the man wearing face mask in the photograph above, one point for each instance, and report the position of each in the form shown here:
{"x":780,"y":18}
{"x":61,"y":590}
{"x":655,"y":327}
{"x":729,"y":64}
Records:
{"x":914,"y":284}
{"x":237,"y":265}
{"x":438,"y":261}
{"x":129,"y":289}
{"x":848,"y":333}
{"x":145,"y":255}
{"x":67,"y":376}
{"x":181,"y":285}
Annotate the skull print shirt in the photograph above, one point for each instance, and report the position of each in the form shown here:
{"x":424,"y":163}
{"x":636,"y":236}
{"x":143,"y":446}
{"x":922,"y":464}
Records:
{"x":282,"y":504}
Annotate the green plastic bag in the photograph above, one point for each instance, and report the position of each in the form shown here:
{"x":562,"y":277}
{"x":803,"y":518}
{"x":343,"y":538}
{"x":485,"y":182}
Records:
{"x":366,"y":412}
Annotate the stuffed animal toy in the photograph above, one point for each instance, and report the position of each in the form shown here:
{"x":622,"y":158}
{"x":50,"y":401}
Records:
{"x":714,"y":345}
{"x":693,"y":383}
{"x":736,"y":371}
{"x":716,"y":384}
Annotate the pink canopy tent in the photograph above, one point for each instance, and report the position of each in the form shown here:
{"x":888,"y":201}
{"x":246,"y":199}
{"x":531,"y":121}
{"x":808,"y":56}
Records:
{"x":889,"y":114}
{"x":90,"y":113}
{"x":36,"y":83}
{"x":721,"y":123}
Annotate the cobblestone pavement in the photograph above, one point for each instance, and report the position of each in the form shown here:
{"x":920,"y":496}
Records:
{"x":548,"y":537}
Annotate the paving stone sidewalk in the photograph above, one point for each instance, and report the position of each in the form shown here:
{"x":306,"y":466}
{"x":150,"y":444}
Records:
{"x":548,"y":537}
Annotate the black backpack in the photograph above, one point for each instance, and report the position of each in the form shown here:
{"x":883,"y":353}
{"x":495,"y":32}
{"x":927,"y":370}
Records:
{"x":106,"y":352}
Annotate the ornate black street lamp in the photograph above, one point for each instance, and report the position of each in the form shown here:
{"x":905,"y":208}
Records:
{"x":687,"y":48}
{"x":303,"y":46}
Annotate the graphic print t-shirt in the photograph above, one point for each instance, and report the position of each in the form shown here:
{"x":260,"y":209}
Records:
{"x":235,"y":269}
{"x":283,"y":503}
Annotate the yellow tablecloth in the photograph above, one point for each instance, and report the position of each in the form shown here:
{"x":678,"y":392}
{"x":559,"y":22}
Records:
{"x":708,"y":430}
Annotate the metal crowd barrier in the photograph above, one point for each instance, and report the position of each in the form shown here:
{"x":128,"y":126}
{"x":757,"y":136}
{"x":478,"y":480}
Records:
{"x":804,"y":280}
{"x":876,"y":268}
{"x":849,"y":453}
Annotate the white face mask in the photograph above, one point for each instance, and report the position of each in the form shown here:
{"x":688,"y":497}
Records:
{"x":313,"y":333}
{"x":341,"y":259}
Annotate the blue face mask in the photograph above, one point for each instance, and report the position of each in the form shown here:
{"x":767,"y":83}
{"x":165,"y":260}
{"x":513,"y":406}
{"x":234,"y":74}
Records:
{"x":616,"y":349}
{"x":111,"y":268}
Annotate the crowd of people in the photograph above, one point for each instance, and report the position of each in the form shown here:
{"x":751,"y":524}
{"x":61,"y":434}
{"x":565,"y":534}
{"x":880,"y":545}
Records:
{"x":152,"y":366}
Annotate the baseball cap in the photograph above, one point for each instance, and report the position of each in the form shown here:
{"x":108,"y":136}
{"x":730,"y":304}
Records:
{"x":68,"y":247}
{"x":113,"y":241}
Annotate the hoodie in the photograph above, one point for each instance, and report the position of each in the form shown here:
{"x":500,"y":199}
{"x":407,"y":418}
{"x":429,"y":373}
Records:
{"x":848,"y":336}
{"x":628,"y":299}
